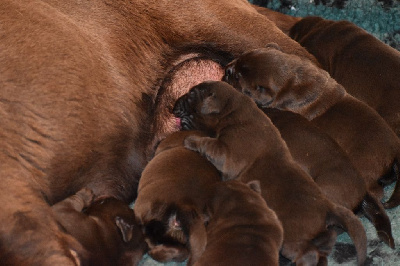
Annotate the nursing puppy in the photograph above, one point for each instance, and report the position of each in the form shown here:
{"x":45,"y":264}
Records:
{"x":282,"y":81}
{"x":330,"y":167}
{"x":247,"y":146}
{"x":347,"y":52}
{"x":79,"y":93}
{"x":173,"y":191}
{"x":242,"y":230}
{"x":107,"y":229}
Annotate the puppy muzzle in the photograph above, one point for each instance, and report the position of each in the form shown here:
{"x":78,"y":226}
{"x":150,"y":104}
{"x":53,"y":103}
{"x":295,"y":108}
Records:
{"x":185,"y":108}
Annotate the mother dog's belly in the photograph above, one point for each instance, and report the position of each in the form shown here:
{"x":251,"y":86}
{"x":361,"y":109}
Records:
{"x":179,"y":80}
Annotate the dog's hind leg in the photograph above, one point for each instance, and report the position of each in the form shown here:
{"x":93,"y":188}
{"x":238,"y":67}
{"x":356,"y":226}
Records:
{"x":394,"y":199}
{"x":29,"y":232}
{"x":374,"y":211}
{"x":317,"y":250}
{"x":324,"y":242}
{"x":344,"y":218}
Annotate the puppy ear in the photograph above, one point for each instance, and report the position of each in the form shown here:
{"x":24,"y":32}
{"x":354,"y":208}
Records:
{"x":125,"y":228}
{"x":210,"y":105}
{"x":255,"y":185}
{"x":197,"y":240}
{"x":273,"y":45}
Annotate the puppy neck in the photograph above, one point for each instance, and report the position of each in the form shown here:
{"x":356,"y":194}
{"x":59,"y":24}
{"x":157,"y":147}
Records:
{"x":237,"y":104}
{"x":309,"y":95}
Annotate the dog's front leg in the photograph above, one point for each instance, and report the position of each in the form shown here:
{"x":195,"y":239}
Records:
{"x":211,"y":148}
{"x":216,"y":152}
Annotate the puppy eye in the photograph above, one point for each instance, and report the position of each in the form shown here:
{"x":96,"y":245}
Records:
{"x":260,"y":89}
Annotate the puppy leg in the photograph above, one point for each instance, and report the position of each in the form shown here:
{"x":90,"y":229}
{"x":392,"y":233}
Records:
{"x":391,"y":176}
{"x":394,"y":176}
{"x":316,"y":252}
{"x":374,"y":211}
{"x":215,"y":151}
{"x":324,"y":242}
{"x":69,"y":211}
{"x":77,"y":202}
{"x":309,"y":258}
{"x":211,"y":148}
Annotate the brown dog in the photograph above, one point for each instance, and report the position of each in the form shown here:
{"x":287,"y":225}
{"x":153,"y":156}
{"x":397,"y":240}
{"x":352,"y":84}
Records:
{"x":180,"y":190}
{"x":242,"y":230}
{"x":330,"y":167}
{"x":247,"y":146}
{"x":79,"y":88}
{"x":347,"y":52}
{"x":107,"y":229}
{"x":279,"y":80}
{"x":173,"y":191}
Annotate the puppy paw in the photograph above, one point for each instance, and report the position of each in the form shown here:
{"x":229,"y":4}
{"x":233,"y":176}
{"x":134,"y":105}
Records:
{"x":191,"y":143}
{"x":86,"y":195}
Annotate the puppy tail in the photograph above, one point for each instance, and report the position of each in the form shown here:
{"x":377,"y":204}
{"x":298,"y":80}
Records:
{"x":346,"y":219}
{"x":394,"y":200}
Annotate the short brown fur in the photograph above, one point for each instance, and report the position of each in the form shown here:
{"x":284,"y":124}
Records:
{"x":173,"y":192}
{"x":78,"y":87}
{"x":330,"y":167}
{"x":242,"y":230}
{"x":286,"y":82}
{"x":363,"y":64}
{"x":107,"y":229}
{"x":247,"y":146}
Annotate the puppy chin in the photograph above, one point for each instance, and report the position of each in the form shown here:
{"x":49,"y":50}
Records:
{"x":165,"y":253}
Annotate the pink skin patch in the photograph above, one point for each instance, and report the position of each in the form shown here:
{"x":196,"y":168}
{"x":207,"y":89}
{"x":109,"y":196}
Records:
{"x":184,"y":76}
{"x":178,"y":122}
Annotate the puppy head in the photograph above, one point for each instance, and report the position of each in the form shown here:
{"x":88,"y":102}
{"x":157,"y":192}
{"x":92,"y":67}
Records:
{"x":259,"y":73}
{"x":119,"y":219}
{"x":203,"y":106}
{"x":174,"y":233}
{"x":276,"y":79}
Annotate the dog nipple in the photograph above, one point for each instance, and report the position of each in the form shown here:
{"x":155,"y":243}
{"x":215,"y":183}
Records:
{"x":178,"y":122}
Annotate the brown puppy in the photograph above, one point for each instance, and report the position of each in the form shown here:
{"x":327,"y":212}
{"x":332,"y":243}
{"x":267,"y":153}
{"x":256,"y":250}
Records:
{"x":330,"y":167}
{"x":173,"y":191}
{"x":279,"y":80}
{"x":242,"y":230}
{"x":347,"y":52}
{"x":107,"y":229}
{"x":79,"y":89}
{"x":247,"y":146}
